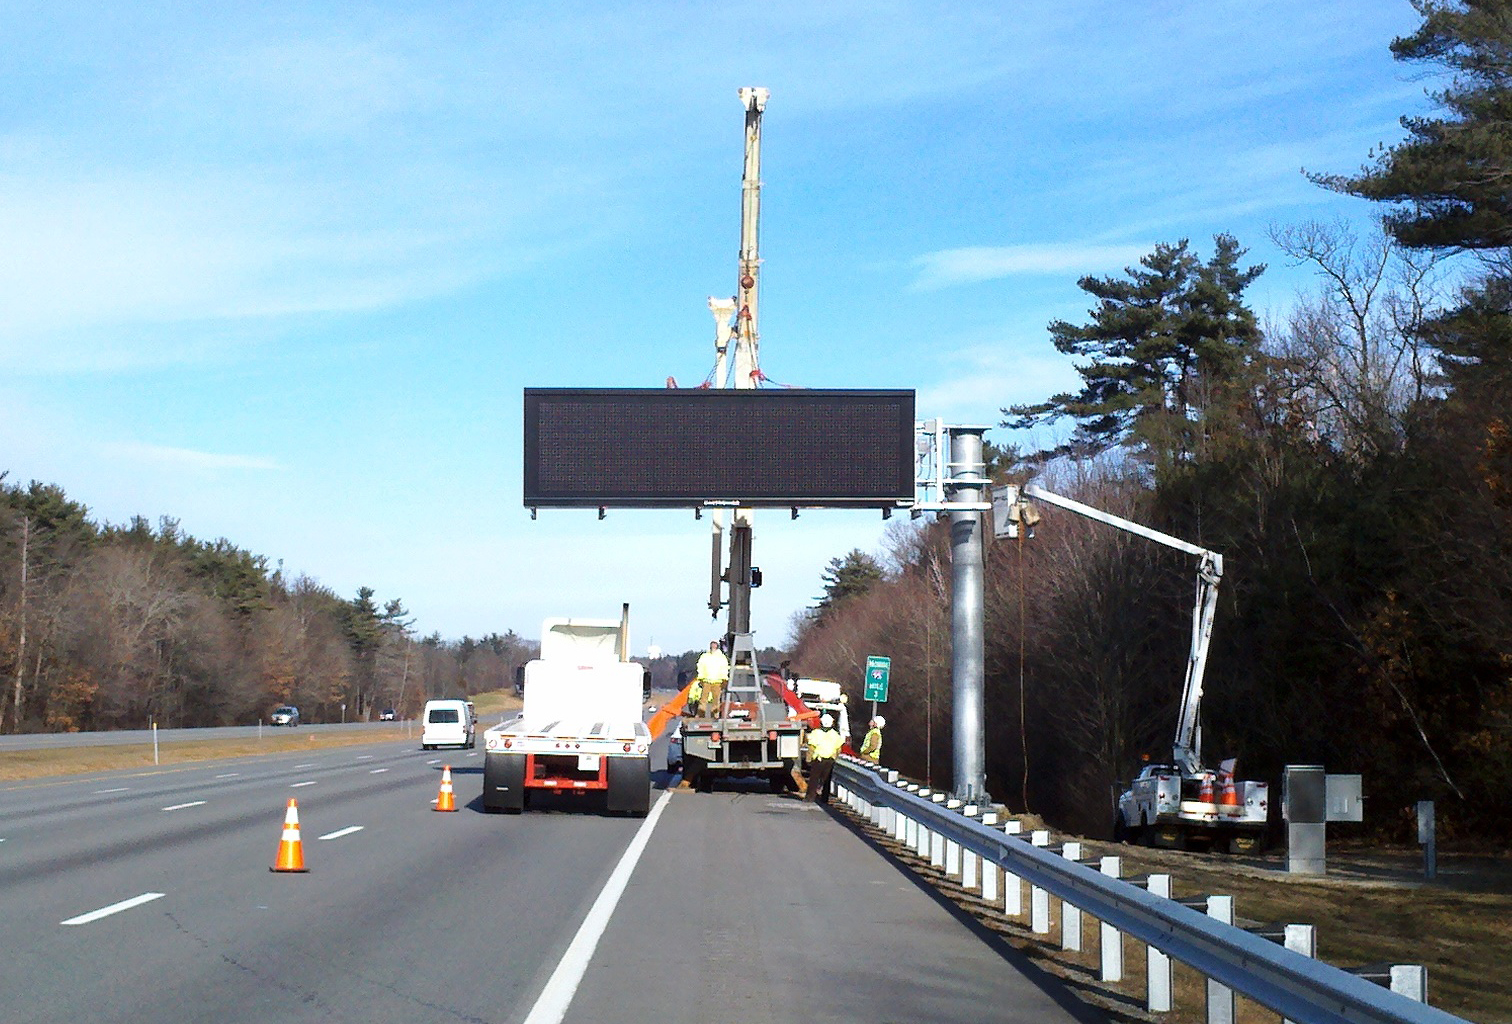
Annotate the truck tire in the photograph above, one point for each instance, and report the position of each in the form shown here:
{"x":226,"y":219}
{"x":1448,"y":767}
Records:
{"x":693,"y":771}
{"x":503,"y":783}
{"x":629,"y":786}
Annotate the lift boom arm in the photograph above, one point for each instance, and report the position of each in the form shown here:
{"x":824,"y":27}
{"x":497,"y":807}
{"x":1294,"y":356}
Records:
{"x":1186,"y":749}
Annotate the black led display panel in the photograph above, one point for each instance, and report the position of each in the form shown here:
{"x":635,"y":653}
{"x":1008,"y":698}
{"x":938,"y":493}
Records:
{"x":674,"y":448}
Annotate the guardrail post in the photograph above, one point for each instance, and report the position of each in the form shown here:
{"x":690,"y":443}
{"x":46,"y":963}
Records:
{"x":1013,"y":885}
{"x":969,"y":860}
{"x":1071,"y":916}
{"x":1410,"y":980}
{"x":952,"y":848}
{"x":1300,"y":938}
{"x":1039,"y":899}
{"x":1109,"y":939}
{"x":1220,"y":998}
{"x":989,"y":869}
{"x":1157,"y":964}
{"x":936,"y":840}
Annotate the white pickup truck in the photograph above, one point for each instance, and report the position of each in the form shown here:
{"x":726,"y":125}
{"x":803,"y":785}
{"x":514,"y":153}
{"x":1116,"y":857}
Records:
{"x":581,"y":729}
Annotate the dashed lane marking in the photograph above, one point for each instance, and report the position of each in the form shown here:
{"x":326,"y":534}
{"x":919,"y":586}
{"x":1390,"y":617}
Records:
{"x":298,"y":784}
{"x":118,"y":789}
{"x":180,"y":807}
{"x":299,"y":766}
{"x":341,"y":832}
{"x":228,"y":775}
{"x":375,"y":771}
{"x":115,"y":908}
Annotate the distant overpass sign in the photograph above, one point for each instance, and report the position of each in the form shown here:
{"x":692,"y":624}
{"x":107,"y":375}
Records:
{"x":877,"y":670}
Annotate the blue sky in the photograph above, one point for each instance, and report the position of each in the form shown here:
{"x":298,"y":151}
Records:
{"x":282,"y":270}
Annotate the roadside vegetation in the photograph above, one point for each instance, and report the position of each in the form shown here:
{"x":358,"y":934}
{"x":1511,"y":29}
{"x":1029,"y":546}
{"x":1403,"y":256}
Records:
{"x":1352,"y":460}
{"x":108,"y":626}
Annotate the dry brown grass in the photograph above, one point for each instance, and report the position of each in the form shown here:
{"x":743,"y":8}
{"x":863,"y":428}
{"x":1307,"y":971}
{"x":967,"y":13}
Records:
{"x":84,"y":760}
{"x":1372,"y":908}
{"x":31,"y":764}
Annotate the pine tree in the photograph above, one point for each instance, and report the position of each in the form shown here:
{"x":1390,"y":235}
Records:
{"x":1159,"y":343}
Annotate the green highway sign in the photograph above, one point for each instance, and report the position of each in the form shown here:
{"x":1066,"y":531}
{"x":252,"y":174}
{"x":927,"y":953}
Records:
{"x":877,"y":671}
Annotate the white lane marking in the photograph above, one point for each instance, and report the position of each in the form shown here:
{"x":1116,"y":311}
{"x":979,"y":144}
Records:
{"x":298,"y":784}
{"x":118,"y":789}
{"x":375,"y":771}
{"x":436,"y":761}
{"x":364,"y":757}
{"x":180,"y":807}
{"x":551,"y":1007}
{"x":115,"y":908}
{"x":473,"y":754}
{"x":341,"y":832}
{"x":299,"y":766}
{"x":228,"y":775}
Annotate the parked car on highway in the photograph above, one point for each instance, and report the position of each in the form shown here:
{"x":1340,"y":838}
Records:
{"x":285,"y":715}
{"x":387,"y":715}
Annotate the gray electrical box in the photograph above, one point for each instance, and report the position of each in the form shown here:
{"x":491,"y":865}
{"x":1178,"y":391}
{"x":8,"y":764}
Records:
{"x":1345,"y":800}
{"x":1304,"y":794}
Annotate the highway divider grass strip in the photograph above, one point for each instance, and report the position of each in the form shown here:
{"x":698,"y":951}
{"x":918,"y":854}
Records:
{"x":86,"y":760}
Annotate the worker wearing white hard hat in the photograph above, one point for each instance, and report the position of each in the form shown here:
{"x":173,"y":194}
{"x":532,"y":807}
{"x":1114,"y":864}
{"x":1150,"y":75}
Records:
{"x":871,"y":746}
{"x":824,"y":745}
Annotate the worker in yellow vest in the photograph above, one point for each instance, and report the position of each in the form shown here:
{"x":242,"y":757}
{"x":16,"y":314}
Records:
{"x":871,"y":746}
{"x":824,"y":745}
{"x":713,"y":673}
{"x":695,"y":699}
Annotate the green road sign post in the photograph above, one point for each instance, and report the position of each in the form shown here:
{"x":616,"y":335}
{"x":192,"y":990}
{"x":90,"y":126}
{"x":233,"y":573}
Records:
{"x":877,"y":671}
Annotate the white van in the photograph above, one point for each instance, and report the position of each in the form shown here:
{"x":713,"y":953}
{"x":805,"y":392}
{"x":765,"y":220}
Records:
{"x":448,"y":723}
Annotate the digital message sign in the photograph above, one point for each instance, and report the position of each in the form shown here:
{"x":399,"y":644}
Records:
{"x":675,"y":448}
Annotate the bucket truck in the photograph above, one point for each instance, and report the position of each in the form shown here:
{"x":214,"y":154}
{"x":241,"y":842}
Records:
{"x":1179,"y":802}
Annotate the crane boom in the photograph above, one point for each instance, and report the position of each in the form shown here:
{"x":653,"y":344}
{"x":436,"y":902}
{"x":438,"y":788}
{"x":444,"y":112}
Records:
{"x":1186,"y":747}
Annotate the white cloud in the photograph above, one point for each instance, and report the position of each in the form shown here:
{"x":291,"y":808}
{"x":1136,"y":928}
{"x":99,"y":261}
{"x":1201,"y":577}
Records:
{"x":163,"y":456}
{"x":969,"y":265}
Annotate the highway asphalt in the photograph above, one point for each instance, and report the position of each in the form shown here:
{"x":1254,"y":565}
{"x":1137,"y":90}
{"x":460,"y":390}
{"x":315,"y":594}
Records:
{"x":146,"y":895}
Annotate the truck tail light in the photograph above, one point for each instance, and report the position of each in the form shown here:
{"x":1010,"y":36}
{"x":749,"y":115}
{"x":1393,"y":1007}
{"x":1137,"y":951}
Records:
{"x":508,"y":742}
{"x":713,"y":737}
{"x":772,"y":735}
{"x":625,"y":748}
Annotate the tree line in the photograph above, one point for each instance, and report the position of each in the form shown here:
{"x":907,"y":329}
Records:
{"x":105,"y":627}
{"x":1352,"y":461}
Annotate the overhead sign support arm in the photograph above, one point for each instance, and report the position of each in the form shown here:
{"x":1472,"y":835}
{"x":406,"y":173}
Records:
{"x":1186,"y":748}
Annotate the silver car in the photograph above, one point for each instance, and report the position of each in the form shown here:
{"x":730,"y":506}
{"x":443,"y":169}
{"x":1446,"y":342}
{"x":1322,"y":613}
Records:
{"x":285,"y":715}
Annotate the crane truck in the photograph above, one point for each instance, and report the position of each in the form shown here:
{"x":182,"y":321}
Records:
{"x":1176,"y":803}
{"x":580,"y":730}
{"x":750,"y":732}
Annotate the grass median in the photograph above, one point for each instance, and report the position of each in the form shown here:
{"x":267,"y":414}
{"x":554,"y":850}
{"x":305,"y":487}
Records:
{"x":86,"y":760}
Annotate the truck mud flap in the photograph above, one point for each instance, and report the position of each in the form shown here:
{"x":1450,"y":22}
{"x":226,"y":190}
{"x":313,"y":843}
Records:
{"x":629,"y":786}
{"x":503,"y":783}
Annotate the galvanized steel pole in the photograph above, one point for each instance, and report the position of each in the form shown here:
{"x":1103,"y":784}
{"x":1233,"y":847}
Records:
{"x":968,"y":483}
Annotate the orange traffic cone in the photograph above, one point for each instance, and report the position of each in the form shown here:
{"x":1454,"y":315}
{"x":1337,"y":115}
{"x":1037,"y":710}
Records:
{"x":1205,"y":792}
{"x":1229,"y":794}
{"x":290,"y":849}
{"x":446,"y":800}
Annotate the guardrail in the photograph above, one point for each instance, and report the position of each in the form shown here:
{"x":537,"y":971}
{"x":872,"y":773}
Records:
{"x":1273,"y":968}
